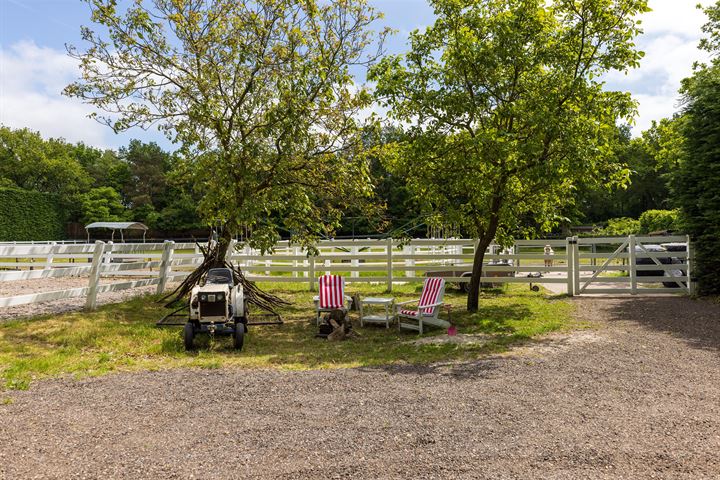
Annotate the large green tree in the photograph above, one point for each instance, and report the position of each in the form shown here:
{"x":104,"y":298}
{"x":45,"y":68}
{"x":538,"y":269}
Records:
{"x":697,"y":180}
{"x":258,"y":94}
{"x":650,"y":159}
{"x":29,"y":162}
{"x":508,"y":109}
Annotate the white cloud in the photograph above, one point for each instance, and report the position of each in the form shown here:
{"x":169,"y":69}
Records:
{"x":672,"y":31}
{"x":31,"y":81}
{"x":675,"y":16}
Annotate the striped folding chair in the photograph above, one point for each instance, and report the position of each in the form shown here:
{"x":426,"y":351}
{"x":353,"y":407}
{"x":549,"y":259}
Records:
{"x":428,"y":307}
{"x":331,"y":296}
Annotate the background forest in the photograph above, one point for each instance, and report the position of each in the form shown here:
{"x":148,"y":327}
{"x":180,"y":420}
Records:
{"x":78,"y":183}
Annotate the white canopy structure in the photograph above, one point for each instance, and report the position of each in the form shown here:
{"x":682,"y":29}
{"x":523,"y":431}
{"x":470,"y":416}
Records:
{"x":117,"y":226}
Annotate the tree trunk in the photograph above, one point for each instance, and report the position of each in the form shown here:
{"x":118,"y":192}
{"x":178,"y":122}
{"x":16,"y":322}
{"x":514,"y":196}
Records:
{"x":223,"y":244}
{"x":473,"y":299}
{"x":487,"y":236}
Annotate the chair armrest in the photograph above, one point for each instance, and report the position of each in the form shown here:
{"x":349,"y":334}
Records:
{"x":406,"y":302}
{"x":432,"y":305}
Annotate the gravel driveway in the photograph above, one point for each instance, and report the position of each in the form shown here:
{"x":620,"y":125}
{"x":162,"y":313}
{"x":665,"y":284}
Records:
{"x":638,"y":396}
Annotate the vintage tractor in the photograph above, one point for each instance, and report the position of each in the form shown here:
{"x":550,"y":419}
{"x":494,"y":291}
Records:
{"x":218,"y":307}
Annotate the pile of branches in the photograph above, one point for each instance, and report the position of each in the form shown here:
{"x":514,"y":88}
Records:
{"x":214,"y":257}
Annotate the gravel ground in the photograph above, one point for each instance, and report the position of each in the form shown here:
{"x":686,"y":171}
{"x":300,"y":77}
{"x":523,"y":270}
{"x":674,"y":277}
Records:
{"x":638,"y":396}
{"x":24,"y":287}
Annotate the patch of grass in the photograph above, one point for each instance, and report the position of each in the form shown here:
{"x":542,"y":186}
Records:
{"x":123,"y":337}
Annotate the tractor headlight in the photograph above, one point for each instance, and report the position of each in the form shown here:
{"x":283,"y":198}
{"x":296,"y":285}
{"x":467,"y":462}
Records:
{"x":220,"y":297}
{"x":203,"y":297}
{"x":211,"y":297}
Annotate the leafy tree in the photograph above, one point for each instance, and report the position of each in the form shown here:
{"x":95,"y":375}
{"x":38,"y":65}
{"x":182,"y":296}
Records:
{"x":101,"y":205}
{"x":697,"y":180}
{"x":180,"y":214}
{"x":148,"y":184}
{"x":508,"y":109}
{"x":258,"y":94}
{"x":32,"y":163}
{"x":105,"y":167}
{"x":650,"y":160}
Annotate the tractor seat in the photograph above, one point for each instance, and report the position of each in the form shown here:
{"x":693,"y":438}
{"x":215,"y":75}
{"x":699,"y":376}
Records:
{"x":220,"y":276}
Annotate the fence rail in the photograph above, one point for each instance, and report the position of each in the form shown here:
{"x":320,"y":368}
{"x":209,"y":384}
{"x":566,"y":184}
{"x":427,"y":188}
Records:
{"x":585,"y":265}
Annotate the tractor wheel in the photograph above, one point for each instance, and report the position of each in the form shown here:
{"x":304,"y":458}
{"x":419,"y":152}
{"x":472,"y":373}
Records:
{"x":239,"y":336}
{"x":189,"y":336}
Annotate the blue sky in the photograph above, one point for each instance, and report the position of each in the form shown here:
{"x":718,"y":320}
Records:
{"x":34,"y":67}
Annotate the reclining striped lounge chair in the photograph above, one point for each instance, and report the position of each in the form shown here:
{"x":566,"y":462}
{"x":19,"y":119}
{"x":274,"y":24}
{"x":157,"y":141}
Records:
{"x":428,"y":307}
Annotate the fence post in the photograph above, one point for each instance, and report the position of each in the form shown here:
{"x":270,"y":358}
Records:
{"x":409,"y":262}
{"x":295,"y":254}
{"x":576,"y":265}
{"x":632,"y":265}
{"x":91,"y":301}
{"x":107,"y":255}
{"x":389,"y":264}
{"x":354,"y":263}
{"x":688,"y":260}
{"x":570,"y":264}
{"x":311,"y":271}
{"x":165,"y":265}
{"x":51,"y":254}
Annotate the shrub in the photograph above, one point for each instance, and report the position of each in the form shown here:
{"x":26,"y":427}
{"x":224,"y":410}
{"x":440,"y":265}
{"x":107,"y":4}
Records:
{"x":658,"y":220}
{"x":620,"y":227}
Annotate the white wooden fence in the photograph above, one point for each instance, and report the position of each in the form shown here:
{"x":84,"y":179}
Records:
{"x":379,"y":261}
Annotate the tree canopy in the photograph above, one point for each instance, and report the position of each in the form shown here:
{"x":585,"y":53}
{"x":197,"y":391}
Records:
{"x":697,"y":180}
{"x":258,"y":94}
{"x":507,"y":109}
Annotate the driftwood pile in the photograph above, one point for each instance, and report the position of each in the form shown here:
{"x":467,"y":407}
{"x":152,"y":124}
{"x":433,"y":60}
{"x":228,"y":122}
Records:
{"x":214,"y":257}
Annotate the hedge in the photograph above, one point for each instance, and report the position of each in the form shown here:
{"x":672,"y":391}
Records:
{"x":26,"y":215}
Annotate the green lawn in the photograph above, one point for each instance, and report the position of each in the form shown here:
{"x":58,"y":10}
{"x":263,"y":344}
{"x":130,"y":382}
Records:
{"x":123,"y":337}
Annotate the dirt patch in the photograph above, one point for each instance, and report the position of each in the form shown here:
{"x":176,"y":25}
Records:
{"x":637,"y":396}
{"x":459,"y":339}
{"x":555,"y":343}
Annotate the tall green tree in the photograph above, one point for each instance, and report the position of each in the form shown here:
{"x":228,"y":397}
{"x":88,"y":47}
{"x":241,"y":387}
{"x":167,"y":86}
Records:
{"x":697,"y":181}
{"x":146,"y":191}
{"x":508,"y":109}
{"x":101,"y":204}
{"x":650,"y":159}
{"x":29,"y":162}
{"x":259,"y":95}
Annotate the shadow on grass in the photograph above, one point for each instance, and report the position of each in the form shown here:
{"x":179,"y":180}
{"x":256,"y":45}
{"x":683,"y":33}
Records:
{"x":124,"y":337}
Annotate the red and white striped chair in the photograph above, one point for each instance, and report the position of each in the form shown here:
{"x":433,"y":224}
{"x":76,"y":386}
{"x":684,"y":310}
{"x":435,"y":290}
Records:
{"x":331,"y":296}
{"x":428,"y":307}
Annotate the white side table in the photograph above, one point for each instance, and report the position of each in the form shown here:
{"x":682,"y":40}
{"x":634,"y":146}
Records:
{"x":376,"y":317}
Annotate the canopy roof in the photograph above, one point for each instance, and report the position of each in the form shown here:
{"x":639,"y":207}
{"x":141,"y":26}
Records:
{"x":117,"y":225}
